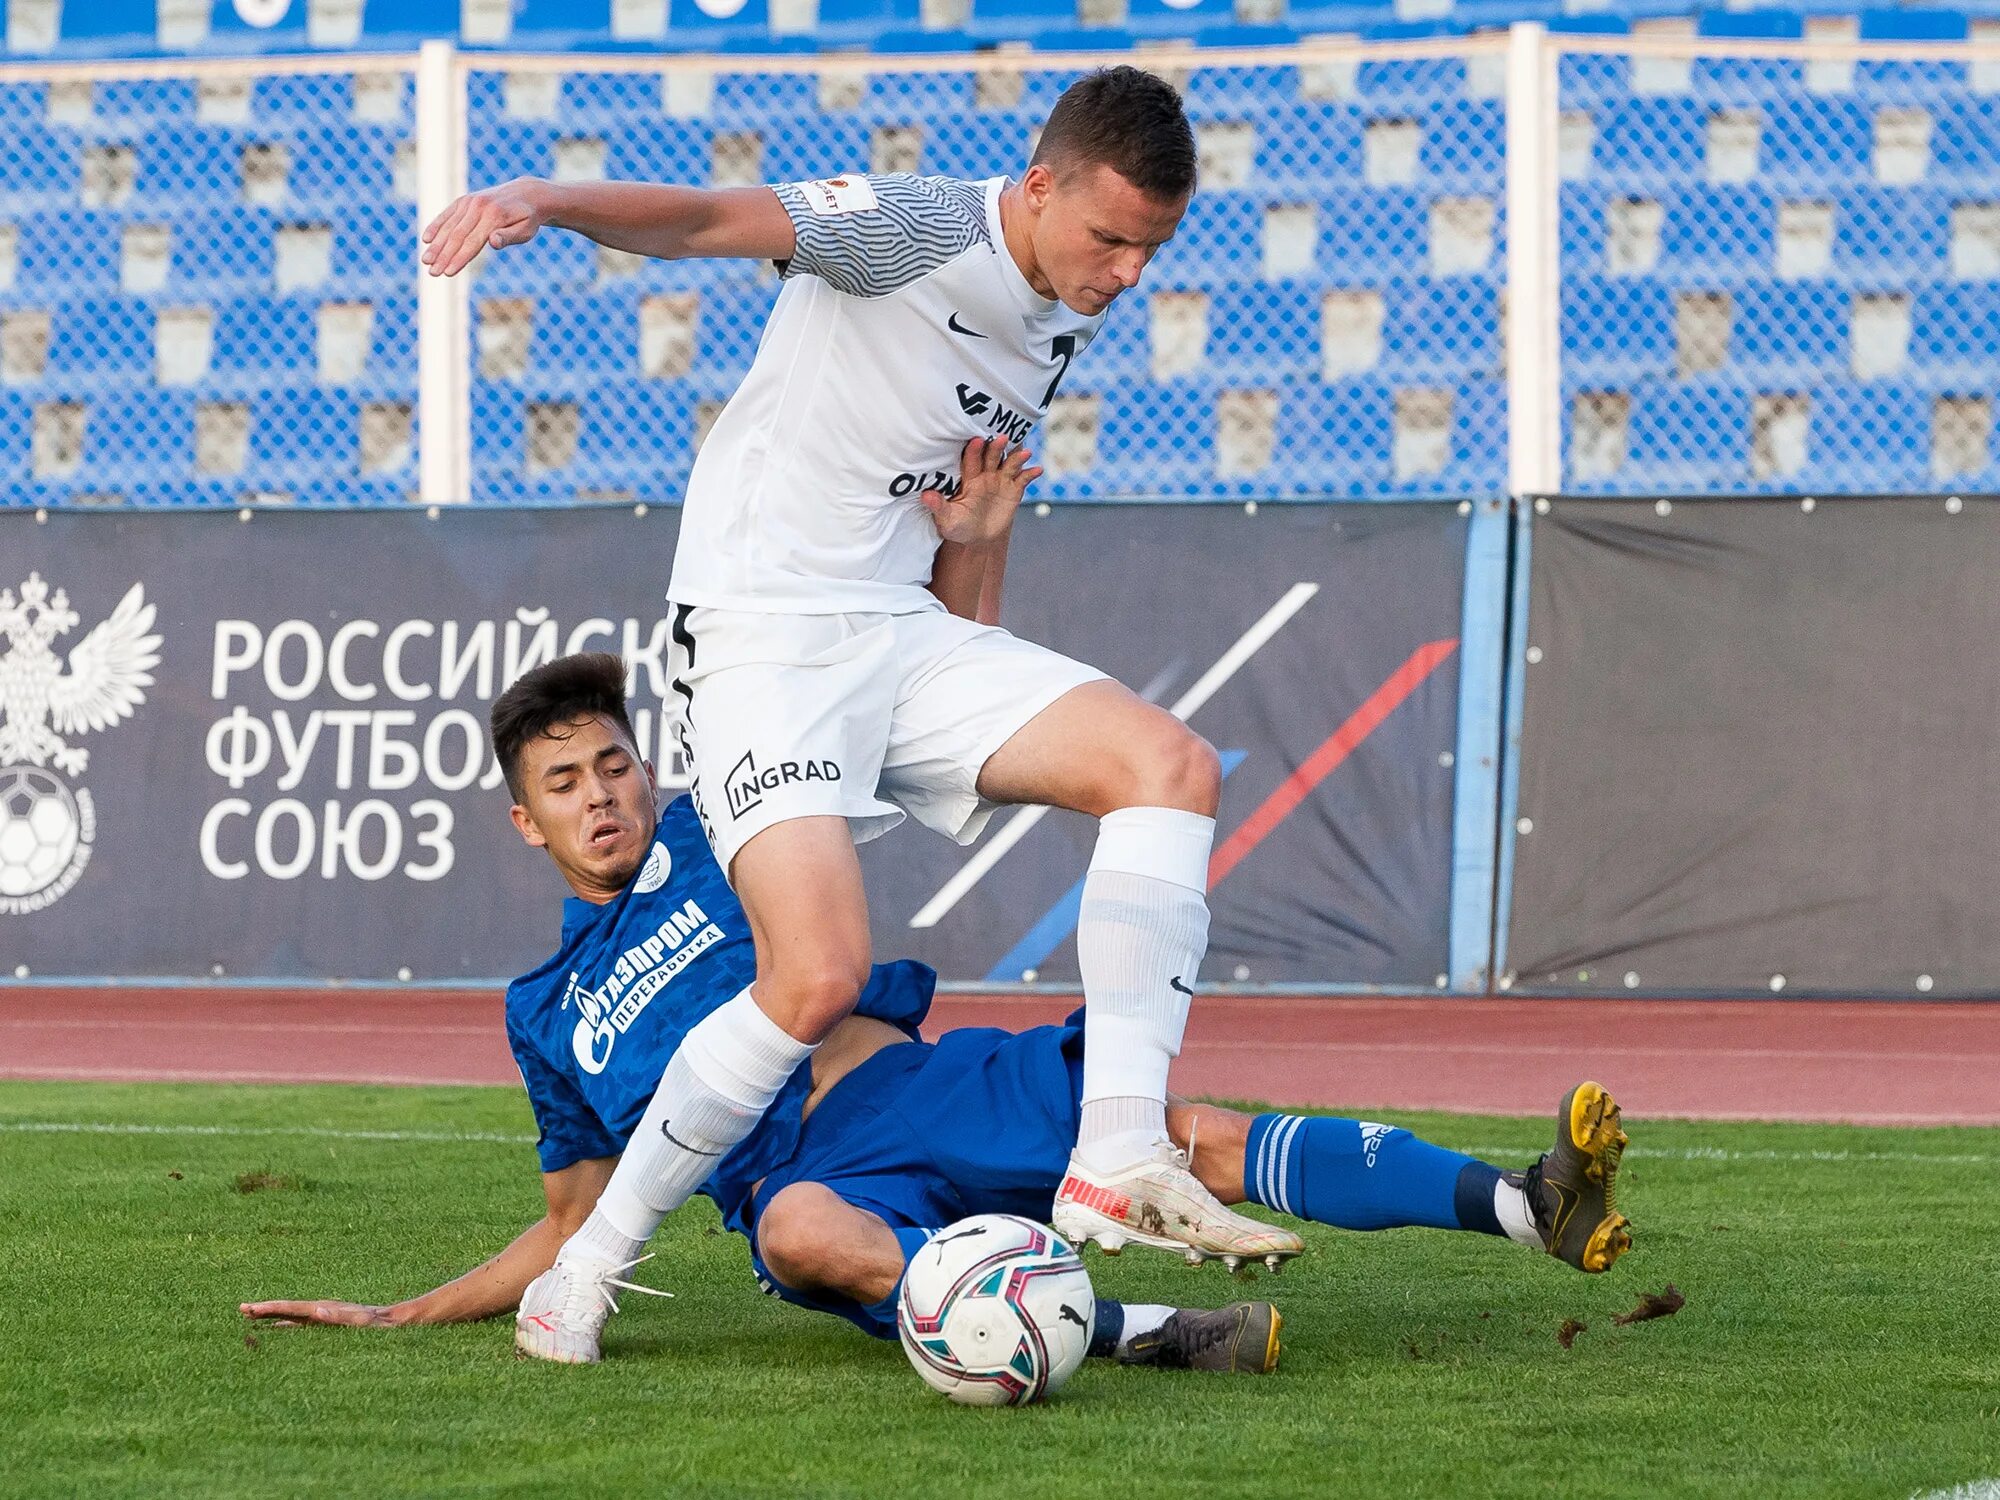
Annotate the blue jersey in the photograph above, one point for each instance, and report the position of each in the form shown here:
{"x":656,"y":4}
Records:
{"x":593,"y":1027}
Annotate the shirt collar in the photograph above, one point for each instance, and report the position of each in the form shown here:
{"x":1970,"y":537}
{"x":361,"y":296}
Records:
{"x":1030,"y":300}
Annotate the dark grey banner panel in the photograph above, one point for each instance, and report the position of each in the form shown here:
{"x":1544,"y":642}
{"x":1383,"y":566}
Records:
{"x":256,"y":748}
{"x":1761,"y":748}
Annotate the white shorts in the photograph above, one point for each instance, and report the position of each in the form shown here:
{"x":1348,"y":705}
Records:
{"x":865,"y":717}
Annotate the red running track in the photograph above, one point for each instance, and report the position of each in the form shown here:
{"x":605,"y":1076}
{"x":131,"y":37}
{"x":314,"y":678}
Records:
{"x":1877,"y":1063}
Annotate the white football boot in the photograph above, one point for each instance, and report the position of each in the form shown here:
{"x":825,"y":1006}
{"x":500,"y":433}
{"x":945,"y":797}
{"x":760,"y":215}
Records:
{"x":563,"y":1311}
{"x":1158,"y":1201}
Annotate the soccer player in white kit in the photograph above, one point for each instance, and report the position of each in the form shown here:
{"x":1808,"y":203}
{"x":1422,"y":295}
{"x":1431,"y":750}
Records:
{"x":925,"y":324}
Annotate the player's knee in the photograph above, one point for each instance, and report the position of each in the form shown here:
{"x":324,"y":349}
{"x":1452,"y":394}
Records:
{"x":1178,"y":768}
{"x":810,"y":999}
{"x":796,"y":1241}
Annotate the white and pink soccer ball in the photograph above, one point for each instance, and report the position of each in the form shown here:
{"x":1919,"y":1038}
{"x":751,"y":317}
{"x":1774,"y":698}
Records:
{"x":996,"y":1311}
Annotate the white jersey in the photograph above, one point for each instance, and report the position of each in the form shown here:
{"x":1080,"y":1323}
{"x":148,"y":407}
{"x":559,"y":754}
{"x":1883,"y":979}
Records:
{"x":903,"y":330}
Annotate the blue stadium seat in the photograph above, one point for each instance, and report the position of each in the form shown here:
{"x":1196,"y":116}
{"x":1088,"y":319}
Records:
{"x":1953,"y":335}
{"x":633,"y":432}
{"x":920,"y":98}
{"x":1891,"y":237}
{"x":301,"y":438}
{"x":392,"y":357}
{"x":1685,"y":437}
{"x":1084,"y":39}
{"x":597,"y":102}
{"x":1373,"y":233}
{"x":1789,"y":331}
{"x":1122,"y":349}
{"x":1591,"y":79}
{"x":1867,"y":439}
{"x":1223,"y":93}
{"x":907,"y":42}
{"x":1419,"y":84}
{"x":825,"y":147}
{"x":1651,"y":143}
{"x":308,"y":99}
{"x":1188,"y":19}
{"x":44,"y":168}
{"x":986,"y":144}
{"x":850,"y":23}
{"x":1153,"y":439}
{"x":582,"y":340}
{"x":1335,"y":440}
{"x":1965,"y":143}
{"x":374,"y":249}
{"x":69,"y":252}
{"x":561,"y":25}
{"x":1464,"y":145}
{"x":750,"y":98}
{"x":1442,"y":329}
{"x":221,"y":251}
{"x":189,"y":166}
{"x":1721,"y":230}
{"x":99,"y":340}
{"x":346,"y":163}
{"x":1301,"y":149}
{"x":1821,"y":140}
{"x":135,"y":435}
{"x":118,"y":102}
{"x":1739,"y":81}
{"x":1263,"y":333}
{"x":659,"y":150}
{"x":1901,"y":82}
{"x":689,"y":26}
{"x":1220,"y":242}
{"x":1017,"y":20}
{"x":262,"y":342}
{"x":500,"y":149}
{"x":1912,"y":25}
{"x":1617,"y":329}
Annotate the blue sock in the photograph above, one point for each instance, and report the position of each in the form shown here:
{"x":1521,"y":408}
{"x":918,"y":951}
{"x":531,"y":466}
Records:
{"x":1107,"y":1331}
{"x":881,"y":1316}
{"x":1359,"y":1175}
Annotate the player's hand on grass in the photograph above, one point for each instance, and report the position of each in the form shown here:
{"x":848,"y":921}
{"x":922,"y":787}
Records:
{"x":334,"y":1314}
{"x":509,"y":214}
{"x":991,"y":483}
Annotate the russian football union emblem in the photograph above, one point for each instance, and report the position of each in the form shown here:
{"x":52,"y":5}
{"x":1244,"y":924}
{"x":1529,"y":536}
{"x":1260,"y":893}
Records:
{"x":47,"y":820}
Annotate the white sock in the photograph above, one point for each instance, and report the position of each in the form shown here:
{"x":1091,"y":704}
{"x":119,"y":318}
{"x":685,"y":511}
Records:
{"x":1141,"y":1318}
{"x":717,"y":1086}
{"x":1140,"y":938}
{"x":1510,"y":1207}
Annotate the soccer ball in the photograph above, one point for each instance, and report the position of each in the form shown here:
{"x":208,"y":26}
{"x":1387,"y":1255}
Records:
{"x":39,"y":829}
{"x":996,"y":1311}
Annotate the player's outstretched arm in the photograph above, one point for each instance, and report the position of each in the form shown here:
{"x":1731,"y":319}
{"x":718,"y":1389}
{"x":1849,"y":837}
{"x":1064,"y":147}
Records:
{"x":656,"y":219}
{"x":483,"y":1292}
{"x":975,"y":525}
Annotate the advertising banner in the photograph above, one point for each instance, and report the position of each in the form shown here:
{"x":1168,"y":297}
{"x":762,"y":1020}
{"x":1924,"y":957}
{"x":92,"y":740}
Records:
{"x":254,"y":745}
{"x":1759,"y":750}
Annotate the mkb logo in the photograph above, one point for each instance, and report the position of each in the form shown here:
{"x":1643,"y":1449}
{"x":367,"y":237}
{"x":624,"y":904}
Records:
{"x":46,"y":825}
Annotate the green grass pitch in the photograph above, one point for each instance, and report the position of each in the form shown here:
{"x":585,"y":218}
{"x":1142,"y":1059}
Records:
{"x":1839,"y":1337}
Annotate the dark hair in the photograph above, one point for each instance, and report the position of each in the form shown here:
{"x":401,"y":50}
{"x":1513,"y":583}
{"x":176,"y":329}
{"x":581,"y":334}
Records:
{"x":1129,"y":121}
{"x":556,"y":693}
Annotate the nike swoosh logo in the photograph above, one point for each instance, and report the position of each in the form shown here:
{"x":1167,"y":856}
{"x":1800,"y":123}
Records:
{"x":667,"y":1130}
{"x":1175,"y":984}
{"x":957,"y":327}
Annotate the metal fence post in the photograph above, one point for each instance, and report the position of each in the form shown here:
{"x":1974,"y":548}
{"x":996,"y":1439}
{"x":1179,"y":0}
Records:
{"x":1534,"y":284}
{"x":444,"y":358}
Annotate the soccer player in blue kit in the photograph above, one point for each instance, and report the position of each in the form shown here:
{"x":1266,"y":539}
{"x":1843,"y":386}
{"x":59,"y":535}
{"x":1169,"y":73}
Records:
{"x":880,"y":1139}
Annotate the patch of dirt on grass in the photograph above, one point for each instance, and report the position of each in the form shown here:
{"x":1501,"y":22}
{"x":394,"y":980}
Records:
{"x":1571,"y":1327}
{"x":268,"y":1182}
{"x":1654,"y":1305}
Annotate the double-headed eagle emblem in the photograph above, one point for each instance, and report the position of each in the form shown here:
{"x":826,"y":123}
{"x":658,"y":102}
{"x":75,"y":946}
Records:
{"x":107,"y":673}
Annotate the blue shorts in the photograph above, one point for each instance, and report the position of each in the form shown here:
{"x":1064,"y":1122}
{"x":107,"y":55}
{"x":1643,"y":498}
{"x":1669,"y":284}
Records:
{"x":924,"y":1134}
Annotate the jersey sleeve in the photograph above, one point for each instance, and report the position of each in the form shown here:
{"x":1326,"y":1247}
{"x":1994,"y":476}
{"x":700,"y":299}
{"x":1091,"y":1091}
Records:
{"x":570,"y":1131}
{"x":871,"y":235}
